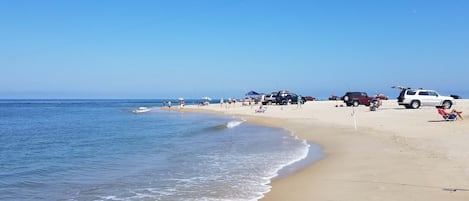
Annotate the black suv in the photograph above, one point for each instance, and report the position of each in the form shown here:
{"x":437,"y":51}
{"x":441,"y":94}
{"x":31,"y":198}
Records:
{"x":285,"y":97}
{"x":356,"y":98}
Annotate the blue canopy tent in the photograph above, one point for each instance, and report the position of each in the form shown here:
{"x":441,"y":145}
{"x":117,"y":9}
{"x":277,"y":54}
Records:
{"x":252,"y":93}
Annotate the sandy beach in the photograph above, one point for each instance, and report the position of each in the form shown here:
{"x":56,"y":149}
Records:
{"x":391,"y":154}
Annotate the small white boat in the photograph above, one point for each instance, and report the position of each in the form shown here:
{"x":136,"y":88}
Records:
{"x":141,"y":110}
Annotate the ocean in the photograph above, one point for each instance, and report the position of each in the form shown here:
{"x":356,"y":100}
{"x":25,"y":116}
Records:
{"x":99,"y":150}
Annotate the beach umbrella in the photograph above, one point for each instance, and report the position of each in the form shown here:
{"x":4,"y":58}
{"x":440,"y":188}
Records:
{"x":252,"y":93}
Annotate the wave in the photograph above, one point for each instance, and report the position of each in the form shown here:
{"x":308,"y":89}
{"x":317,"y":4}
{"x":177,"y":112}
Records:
{"x":233,"y":124}
{"x":306,"y":156}
{"x":230,"y":124}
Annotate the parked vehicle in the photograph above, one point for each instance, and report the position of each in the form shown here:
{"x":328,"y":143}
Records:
{"x":455,"y":96}
{"x":310,"y":98}
{"x":334,"y":97}
{"x":285,"y":97}
{"x":381,"y":97}
{"x":270,"y":99}
{"x":414,"y":98}
{"x":356,"y":99}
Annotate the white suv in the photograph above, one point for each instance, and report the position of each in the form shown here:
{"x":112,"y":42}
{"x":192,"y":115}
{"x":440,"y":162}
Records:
{"x":414,"y":98}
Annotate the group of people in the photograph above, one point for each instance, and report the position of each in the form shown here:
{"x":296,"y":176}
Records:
{"x":374,"y":105}
{"x":182,"y":103}
{"x":229,"y":101}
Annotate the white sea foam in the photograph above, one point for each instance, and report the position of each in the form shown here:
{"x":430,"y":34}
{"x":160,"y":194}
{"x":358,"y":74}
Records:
{"x":246,"y":171}
{"x":233,"y":124}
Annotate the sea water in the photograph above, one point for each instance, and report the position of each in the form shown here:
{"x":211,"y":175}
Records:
{"x":100,"y":150}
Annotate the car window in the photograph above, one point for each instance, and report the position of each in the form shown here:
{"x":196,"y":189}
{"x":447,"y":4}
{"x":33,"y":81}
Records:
{"x":432,"y":93}
{"x":423,"y":93}
{"x":409,"y":92}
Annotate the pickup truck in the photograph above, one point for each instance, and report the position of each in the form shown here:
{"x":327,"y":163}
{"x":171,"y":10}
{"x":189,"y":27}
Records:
{"x":285,"y":97}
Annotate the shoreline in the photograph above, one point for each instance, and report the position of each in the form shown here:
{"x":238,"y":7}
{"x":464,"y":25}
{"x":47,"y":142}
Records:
{"x":395,"y":154}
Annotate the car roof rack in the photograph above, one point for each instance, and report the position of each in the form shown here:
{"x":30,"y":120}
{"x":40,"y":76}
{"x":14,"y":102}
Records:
{"x":400,"y":87}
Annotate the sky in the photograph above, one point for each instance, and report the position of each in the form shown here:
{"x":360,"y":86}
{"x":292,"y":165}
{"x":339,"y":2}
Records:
{"x":225,"y":48}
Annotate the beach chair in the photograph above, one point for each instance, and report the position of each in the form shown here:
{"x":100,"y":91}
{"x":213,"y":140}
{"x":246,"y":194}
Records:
{"x":374,"y":106}
{"x":261,"y":109}
{"x":446,"y":116}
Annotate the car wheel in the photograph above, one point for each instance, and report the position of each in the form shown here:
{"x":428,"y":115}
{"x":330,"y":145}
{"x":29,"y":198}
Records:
{"x":447,"y":104}
{"x":355,"y":103}
{"x":415,"y":104}
{"x":284,"y":102}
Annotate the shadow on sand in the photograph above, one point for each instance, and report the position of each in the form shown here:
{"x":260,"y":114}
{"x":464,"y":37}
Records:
{"x":439,"y":121}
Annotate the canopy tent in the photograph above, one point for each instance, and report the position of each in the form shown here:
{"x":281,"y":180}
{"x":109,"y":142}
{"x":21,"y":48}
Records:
{"x":252,"y":93}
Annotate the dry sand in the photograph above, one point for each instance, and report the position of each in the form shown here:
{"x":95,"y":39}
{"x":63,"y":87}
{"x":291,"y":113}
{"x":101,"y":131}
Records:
{"x":393,"y":154}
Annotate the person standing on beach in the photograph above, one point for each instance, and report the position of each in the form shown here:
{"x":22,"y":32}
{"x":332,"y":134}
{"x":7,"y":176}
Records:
{"x":298,"y":101}
{"x":181,"y":103}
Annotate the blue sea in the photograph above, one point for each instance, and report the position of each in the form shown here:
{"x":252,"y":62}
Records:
{"x":99,"y":150}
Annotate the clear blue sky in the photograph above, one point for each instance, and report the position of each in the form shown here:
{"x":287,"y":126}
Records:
{"x":221,"y":48}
